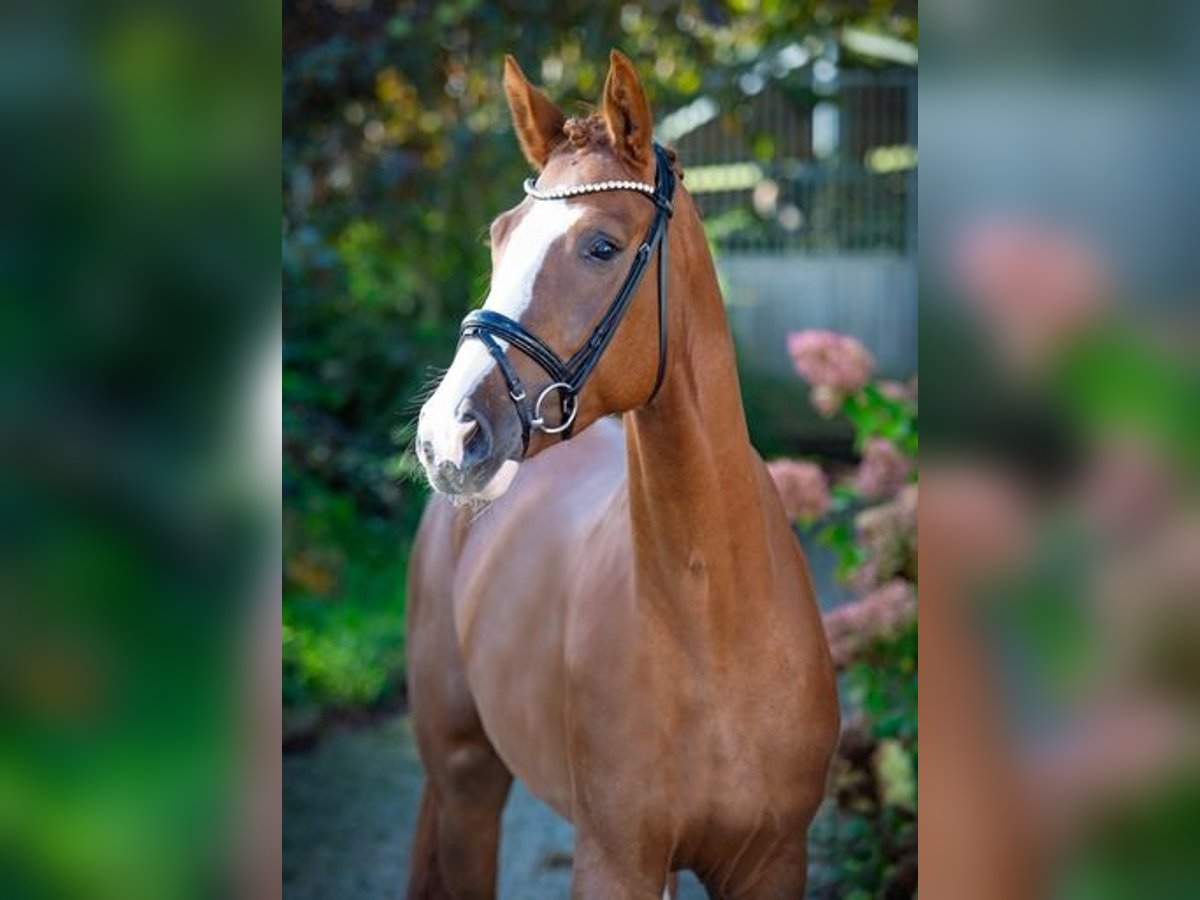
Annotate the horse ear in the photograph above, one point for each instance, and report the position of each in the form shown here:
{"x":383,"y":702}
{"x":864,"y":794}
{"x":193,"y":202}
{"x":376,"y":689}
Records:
{"x":536,"y":120}
{"x":626,"y":112}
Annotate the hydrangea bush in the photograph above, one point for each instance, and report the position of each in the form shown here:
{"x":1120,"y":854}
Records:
{"x":868,"y":519}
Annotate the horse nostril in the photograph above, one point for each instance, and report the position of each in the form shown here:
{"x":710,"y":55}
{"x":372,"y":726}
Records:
{"x":477,"y":442}
{"x":425,"y":451}
{"x":470,"y":427}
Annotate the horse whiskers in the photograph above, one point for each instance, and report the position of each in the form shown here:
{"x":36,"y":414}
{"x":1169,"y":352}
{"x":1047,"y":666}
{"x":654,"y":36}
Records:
{"x":475,"y":506}
{"x":406,"y":433}
{"x":411,"y":469}
{"x":433,"y":378}
{"x":478,"y":508}
{"x":413,"y":404}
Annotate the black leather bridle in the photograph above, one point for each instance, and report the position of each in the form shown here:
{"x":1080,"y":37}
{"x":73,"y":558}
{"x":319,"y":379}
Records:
{"x":567,"y":378}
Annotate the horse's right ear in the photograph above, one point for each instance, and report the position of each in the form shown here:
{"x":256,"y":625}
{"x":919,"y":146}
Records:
{"x":537,"y":121}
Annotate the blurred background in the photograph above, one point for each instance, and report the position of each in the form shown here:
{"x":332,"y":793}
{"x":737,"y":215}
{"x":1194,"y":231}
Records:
{"x":796,"y":125}
{"x":139,"y":454}
{"x":1059,"y":518}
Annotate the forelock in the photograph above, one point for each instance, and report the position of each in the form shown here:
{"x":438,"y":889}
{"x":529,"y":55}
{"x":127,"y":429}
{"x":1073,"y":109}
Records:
{"x":590,"y":133}
{"x":587,"y":132}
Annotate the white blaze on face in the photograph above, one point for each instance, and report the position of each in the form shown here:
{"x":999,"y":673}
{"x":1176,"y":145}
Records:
{"x":512,"y":289}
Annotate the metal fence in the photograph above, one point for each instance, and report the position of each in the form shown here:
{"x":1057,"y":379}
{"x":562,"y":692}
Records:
{"x":821,"y":160}
{"x":808,"y":188}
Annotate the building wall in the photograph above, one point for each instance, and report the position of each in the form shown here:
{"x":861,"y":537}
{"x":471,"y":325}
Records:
{"x":870,"y":296}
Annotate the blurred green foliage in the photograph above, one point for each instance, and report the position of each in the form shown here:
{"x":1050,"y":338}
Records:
{"x":397,"y":153}
{"x":873,"y":415}
{"x":342,"y":653}
{"x":882,"y":684}
{"x":137,"y":283}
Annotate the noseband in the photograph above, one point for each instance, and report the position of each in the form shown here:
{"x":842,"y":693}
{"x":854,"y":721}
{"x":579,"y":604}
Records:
{"x":567,"y":378}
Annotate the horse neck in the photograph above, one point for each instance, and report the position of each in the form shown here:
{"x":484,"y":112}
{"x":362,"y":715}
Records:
{"x":693,"y":476}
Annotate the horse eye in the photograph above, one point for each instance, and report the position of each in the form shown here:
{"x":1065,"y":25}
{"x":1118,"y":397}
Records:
{"x":602,"y":249}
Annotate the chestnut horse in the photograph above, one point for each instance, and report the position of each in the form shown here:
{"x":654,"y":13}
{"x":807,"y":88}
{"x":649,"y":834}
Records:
{"x":629,"y":625}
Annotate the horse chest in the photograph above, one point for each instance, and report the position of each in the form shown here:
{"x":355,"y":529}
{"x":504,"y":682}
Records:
{"x":660,"y":752}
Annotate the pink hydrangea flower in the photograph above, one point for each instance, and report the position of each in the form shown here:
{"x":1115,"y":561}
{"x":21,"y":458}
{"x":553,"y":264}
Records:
{"x":894,"y":390}
{"x":826,"y":400}
{"x":1035,"y":285}
{"x":802,"y":487}
{"x":827,"y":359}
{"x":879,"y":615}
{"x":888,"y":534}
{"x":883,"y":471}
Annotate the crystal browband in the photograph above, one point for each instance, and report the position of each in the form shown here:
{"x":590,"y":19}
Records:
{"x":563,"y":193}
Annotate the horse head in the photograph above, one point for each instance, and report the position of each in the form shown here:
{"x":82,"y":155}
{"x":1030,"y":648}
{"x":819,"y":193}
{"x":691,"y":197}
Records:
{"x":570,"y":331}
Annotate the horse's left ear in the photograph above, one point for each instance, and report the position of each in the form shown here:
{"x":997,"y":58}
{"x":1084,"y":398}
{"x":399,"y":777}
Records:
{"x":537,"y":121}
{"x":627,"y":114}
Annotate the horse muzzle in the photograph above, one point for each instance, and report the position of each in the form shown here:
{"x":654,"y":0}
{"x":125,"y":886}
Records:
{"x":468,"y":453}
{"x":457,"y":452}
